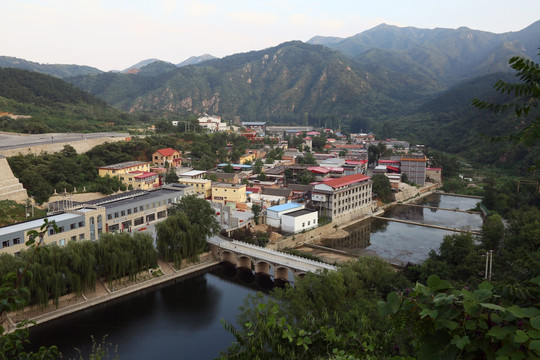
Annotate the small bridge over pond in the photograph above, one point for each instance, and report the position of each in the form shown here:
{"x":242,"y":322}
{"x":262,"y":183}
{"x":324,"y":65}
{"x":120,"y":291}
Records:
{"x":284,"y":266}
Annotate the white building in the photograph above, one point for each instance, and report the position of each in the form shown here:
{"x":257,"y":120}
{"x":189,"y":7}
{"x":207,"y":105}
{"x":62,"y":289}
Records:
{"x":274,"y":213}
{"x":349,"y":195}
{"x":212,"y":123}
{"x":299,"y":220}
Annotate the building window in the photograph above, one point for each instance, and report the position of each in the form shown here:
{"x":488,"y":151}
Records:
{"x":308,"y":223}
{"x":16,"y":241}
{"x":81,"y":224}
{"x":115,"y":215}
{"x":123,"y":213}
{"x":161,"y":214}
{"x":129,"y":211}
{"x":146,"y":206}
{"x":141,"y":208}
{"x":81,"y":236}
{"x":303,"y":224}
{"x":74,"y":238}
{"x":62,"y":242}
{"x":5,"y":244}
{"x":138,"y":221}
{"x":109,"y":217}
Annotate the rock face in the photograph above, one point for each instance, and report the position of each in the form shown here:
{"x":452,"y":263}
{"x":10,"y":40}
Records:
{"x":10,"y":187}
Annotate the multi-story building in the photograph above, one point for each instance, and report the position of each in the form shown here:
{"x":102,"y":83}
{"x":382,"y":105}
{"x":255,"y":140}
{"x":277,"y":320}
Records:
{"x":125,"y":167}
{"x":143,"y":180}
{"x":130,"y":211}
{"x":415,"y":168}
{"x":168,"y":156}
{"x":212,"y":123}
{"x":228,"y":193}
{"x":84,"y":223}
{"x":343,"y":196}
{"x":201,"y":186}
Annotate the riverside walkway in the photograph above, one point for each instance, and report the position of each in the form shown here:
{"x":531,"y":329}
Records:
{"x":474,"y":232}
{"x":115,"y":294}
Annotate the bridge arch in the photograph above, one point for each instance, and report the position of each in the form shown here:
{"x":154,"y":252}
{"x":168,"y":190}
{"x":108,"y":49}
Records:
{"x":262,"y":267}
{"x":229,"y":257}
{"x":244,"y":261}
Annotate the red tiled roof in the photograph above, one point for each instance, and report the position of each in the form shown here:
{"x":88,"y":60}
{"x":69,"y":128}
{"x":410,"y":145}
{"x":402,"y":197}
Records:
{"x":346,"y":180}
{"x":393,"y":168}
{"x":145,"y":175}
{"x":389,"y":161}
{"x":166,"y":152}
{"x":318,"y":169}
{"x":355,"y":162}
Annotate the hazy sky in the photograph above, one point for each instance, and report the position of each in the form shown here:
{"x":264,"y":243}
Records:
{"x":115,"y":34}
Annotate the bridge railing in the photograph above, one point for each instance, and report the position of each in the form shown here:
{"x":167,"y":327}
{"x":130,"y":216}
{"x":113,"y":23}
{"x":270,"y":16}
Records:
{"x":285,"y":255}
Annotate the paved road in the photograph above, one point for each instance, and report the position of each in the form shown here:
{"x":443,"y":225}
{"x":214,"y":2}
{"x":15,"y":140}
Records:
{"x":278,"y":257}
{"x":15,"y":141}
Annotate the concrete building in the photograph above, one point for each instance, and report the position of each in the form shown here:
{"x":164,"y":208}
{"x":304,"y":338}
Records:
{"x":85,"y":223}
{"x":415,"y":168}
{"x":349,"y":195}
{"x":169,"y":156}
{"x":258,"y":126}
{"x":228,"y":193}
{"x":299,"y":220}
{"x":192,"y":174}
{"x":10,"y":187}
{"x":212,"y":123}
{"x":274,"y":213}
{"x":201,"y":186}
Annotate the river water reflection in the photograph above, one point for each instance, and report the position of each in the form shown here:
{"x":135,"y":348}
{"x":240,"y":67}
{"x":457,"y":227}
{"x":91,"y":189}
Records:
{"x":178,"y":321}
{"x":401,"y":243}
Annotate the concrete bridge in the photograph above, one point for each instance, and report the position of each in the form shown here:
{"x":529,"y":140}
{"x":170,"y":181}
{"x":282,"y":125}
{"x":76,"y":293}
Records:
{"x":284,"y":266}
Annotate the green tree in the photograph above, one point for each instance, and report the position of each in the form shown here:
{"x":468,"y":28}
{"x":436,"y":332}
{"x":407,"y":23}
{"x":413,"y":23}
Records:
{"x":228,"y":168}
{"x":306,"y":177}
{"x":381,"y":186}
{"x":256,"y":208}
{"x":492,"y":232}
{"x":525,"y":100}
{"x":200,"y":212}
{"x":171,"y":177}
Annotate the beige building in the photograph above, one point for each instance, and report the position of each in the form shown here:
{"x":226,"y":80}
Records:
{"x":125,"y":167}
{"x":201,"y":186}
{"x":342,"y":196}
{"x":144,"y":180}
{"x":228,"y":193}
{"x":86,"y":223}
{"x":169,"y":156}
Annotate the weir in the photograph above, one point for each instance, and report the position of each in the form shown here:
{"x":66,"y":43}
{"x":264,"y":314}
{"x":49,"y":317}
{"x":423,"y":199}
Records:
{"x":474,"y":232}
{"x":446,"y":209}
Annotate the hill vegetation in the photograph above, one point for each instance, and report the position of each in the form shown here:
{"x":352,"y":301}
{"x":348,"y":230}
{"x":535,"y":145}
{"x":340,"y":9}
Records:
{"x":51,"y":104}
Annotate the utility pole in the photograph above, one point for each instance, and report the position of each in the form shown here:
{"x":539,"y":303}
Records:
{"x":489,"y":265}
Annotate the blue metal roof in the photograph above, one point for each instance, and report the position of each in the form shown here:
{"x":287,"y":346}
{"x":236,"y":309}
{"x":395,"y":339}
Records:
{"x":286,"y":206}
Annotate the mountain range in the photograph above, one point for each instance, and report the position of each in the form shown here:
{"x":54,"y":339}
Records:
{"x":389,"y":79}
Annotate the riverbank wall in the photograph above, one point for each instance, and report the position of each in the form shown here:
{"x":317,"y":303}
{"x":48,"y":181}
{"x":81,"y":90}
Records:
{"x":71,"y":303}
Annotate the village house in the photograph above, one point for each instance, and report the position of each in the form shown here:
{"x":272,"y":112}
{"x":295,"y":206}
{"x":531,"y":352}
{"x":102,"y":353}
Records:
{"x":167,"y":158}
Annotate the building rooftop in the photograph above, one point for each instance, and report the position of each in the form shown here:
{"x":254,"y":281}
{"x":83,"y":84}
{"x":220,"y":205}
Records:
{"x":302,"y":212}
{"x":346,"y":180}
{"x":167,"y":151}
{"x":124,"y":165}
{"x":253,"y":123}
{"x":192,"y":173}
{"x":34,"y":224}
{"x":227,"y":185}
{"x":283,"y":207}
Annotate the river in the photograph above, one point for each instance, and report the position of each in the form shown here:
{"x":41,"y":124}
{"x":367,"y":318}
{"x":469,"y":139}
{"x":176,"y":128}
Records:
{"x":183,"y":320}
{"x":176,"y":321}
{"x":401,"y":243}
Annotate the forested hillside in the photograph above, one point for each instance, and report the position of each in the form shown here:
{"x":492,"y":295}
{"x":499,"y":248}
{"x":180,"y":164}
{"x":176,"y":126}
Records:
{"x":50,"y":104}
{"x":57,"y":70}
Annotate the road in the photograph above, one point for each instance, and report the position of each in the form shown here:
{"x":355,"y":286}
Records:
{"x":15,"y":141}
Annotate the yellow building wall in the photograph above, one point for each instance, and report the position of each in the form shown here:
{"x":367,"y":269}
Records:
{"x":229,"y":194}
{"x":247,"y":157}
{"x":112,"y":172}
{"x":129,"y":179}
{"x":201,"y":186}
